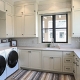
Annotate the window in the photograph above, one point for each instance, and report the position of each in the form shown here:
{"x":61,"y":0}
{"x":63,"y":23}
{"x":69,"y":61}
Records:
{"x":54,"y":26}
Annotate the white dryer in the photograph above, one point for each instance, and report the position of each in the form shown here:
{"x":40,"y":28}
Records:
{"x":2,"y":65}
{"x":11,"y":61}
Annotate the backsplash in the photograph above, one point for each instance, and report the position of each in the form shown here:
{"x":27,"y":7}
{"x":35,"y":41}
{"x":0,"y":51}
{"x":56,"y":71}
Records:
{"x":75,"y":43}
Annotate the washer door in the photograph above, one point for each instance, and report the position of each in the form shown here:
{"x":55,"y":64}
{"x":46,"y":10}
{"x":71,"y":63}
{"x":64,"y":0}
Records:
{"x":2,"y":64}
{"x":12,"y":59}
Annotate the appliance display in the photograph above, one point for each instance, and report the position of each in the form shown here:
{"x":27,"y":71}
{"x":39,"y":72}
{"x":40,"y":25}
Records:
{"x":2,"y":65}
{"x":11,"y":61}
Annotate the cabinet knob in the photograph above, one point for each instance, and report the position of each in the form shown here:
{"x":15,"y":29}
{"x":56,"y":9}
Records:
{"x":34,"y":34}
{"x":74,"y":62}
{"x":34,"y":11}
{"x":73,"y":6}
{"x":6,"y":10}
{"x":22,"y":34}
{"x":74,"y":71}
{"x":73,"y":33}
{"x":6,"y":34}
{"x":73,"y":55}
{"x":22,"y":13}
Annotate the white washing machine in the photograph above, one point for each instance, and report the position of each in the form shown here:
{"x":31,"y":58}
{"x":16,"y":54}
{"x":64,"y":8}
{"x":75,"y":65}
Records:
{"x":11,"y":61}
{"x":2,"y":65}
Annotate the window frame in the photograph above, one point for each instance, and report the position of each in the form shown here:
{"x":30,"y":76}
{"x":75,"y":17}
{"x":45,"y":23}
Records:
{"x":54,"y":28}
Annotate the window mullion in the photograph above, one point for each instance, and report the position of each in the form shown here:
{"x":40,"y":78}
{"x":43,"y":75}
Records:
{"x":54,"y":27}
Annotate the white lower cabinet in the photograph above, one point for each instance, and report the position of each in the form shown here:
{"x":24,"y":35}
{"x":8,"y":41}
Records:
{"x":30,"y":59}
{"x":68,"y":61}
{"x":34,"y":59}
{"x":23,"y":58}
{"x":52,"y":60}
{"x":58,"y":61}
{"x":76,"y":67}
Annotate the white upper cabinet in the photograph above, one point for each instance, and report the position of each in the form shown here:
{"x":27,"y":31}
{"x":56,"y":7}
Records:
{"x":9,"y":9}
{"x":29,"y":26}
{"x":27,"y":22}
{"x":76,"y":4}
{"x":18,"y":26}
{"x":9,"y":25}
{"x":75,"y":18}
{"x":2,"y":5}
{"x":18,"y":10}
{"x":76,"y":23}
{"x":29,"y":9}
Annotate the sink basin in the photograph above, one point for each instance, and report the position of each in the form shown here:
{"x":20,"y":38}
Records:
{"x":51,"y":48}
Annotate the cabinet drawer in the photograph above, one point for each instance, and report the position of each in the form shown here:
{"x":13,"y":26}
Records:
{"x":68,"y":54}
{"x":68,"y":60}
{"x":67,"y":69}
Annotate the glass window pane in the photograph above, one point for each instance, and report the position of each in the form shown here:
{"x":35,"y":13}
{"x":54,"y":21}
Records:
{"x":47,"y":21}
{"x":47,"y":35}
{"x":60,"y":21}
{"x":61,"y":35}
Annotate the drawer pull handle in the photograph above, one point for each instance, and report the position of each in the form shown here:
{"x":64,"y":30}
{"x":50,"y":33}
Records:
{"x":68,"y":68}
{"x":67,"y":60}
{"x":68,"y":53}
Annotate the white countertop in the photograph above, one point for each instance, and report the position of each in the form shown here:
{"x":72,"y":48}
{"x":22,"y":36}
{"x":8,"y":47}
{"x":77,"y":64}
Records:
{"x":77,"y":51}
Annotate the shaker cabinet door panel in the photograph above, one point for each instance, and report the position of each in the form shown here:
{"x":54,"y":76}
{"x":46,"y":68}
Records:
{"x":47,"y":63}
{"x":57,"y":63}
{"x":23,"y":58}
{"x":76,"y":23}
{"x":29,"y":9}
{"x":19,"y":10}
{"x":18,"y":28}
{"x":2,"y":5}
{"x":9,"y":25}
{"x":35,"y":59}
{"x":29,"y":25}
{"x":9,"y":9}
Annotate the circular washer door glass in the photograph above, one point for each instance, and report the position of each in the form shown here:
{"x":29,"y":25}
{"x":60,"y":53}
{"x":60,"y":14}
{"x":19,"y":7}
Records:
{"x":12,"y":59}
{"x":2,"y":65}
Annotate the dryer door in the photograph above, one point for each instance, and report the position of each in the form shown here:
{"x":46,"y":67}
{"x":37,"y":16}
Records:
{"x":12,"y":59}
{"x":2,"y":65}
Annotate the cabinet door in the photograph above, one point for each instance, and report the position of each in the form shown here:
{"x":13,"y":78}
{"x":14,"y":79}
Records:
{"x":29,"y":26}
{"x":76,"y":4}
{"x":9,"y":9}
{"x":29,"y":9}
{"x":35,"y":59}
{"x":57,"y":63}
{"x":78,"y":69}
{"x":9,"y":25}
{"x":18,"y":10}
{"x":18,"y":26}
{"x":76,"y":23}
{"x":47,"y":63}
{"x":23,"y":58}
{"x":2,"y":5}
